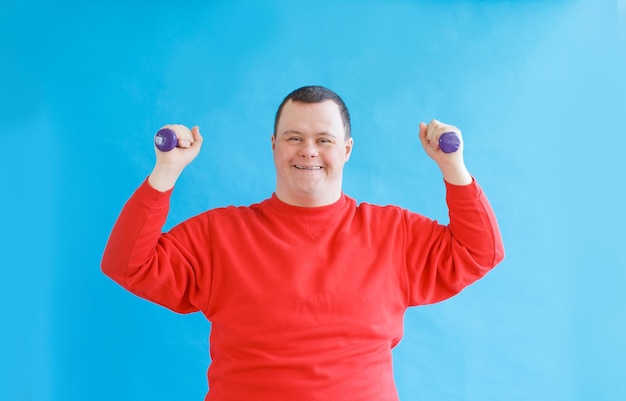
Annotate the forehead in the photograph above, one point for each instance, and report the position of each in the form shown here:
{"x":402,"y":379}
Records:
{"x":320,"y":117}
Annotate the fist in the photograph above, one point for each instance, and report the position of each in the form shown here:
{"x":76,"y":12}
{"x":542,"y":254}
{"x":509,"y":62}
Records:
{"x":169,"y":165}
{"x":184,"y":137}
{"x":451,"y":164}
{"x":429,"y":136}
{"x":188,"y":146}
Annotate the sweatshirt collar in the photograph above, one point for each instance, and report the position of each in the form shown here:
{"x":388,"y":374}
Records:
{"x":291,"y":210}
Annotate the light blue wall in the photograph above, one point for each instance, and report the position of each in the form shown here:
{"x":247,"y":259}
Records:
{"x":537,"y":87}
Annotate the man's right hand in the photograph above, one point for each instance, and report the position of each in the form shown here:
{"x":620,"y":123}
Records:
{"x":169,"y":165}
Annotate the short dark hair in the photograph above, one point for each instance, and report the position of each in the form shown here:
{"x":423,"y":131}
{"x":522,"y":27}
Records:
{"x":316,"y":94}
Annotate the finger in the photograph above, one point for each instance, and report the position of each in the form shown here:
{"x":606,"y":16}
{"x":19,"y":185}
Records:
{"x":195,"y":132}
{"x":432,"y":133}
{"x":183,"y":135}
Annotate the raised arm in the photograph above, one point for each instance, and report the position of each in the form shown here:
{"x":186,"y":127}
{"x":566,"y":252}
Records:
{"x":449,"y":258}
{"x":162,"y":268}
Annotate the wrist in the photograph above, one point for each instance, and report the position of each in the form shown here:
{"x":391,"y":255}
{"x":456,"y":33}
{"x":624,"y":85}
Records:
{"x":456,"y":174}
{"x":164,"y":176}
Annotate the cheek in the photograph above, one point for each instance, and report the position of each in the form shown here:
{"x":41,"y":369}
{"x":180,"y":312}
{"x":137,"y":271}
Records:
{"x":339,"y":158}
{"x":281,"y":156}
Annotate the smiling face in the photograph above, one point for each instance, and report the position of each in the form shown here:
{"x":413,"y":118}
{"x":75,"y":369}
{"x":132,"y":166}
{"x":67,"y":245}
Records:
{"x":310,"y":149}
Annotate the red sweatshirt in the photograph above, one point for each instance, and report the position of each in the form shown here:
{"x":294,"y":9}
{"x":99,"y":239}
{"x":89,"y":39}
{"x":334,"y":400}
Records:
{"x":304,"y":303}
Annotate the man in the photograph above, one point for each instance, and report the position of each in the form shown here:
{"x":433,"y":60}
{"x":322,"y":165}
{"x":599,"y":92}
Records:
{"x":306,"y":290}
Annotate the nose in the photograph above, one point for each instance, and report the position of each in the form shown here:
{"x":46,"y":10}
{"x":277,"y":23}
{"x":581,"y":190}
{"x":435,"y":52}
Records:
{"x":308,"y":149}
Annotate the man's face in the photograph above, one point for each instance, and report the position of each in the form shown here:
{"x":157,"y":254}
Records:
{"x":310,"y":150}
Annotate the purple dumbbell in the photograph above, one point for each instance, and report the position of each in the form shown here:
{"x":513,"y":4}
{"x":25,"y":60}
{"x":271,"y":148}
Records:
{"x":449,"y":142}
{"x":165,"y":140}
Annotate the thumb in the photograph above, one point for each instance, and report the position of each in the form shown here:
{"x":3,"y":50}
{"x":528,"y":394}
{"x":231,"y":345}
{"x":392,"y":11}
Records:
{"x":422,"y":133}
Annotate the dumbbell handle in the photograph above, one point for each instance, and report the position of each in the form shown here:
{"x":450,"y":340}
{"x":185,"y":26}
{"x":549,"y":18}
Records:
{"x":165,"y":140}
{"x":449,"y":142}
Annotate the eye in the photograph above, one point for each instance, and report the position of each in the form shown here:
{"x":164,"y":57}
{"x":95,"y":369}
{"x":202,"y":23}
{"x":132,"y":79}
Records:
{"x":325,"y":140}
{"x":294,"y":139}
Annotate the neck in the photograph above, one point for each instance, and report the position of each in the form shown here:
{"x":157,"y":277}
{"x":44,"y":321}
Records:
{"x":308,"y":200}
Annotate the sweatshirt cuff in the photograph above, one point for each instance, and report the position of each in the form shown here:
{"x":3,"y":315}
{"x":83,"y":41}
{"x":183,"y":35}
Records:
{"x":153,"y":197}
{"x":463,"y":192}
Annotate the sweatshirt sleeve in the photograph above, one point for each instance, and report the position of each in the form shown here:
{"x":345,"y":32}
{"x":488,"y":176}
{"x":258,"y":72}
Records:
{"x":443,"y":260}
{"x":161,"y":267}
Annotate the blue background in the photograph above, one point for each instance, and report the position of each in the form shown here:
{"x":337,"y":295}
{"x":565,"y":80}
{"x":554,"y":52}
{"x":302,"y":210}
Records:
{"x":537,"y":87}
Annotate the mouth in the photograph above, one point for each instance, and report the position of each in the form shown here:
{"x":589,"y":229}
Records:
{"x":299,"y":167}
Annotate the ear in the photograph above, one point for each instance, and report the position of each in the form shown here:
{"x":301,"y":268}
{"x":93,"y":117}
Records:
{"x":349,"y":144}
{"x":273,"y":138}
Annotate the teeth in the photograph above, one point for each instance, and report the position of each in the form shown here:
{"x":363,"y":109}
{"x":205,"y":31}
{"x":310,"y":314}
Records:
{"x":308,"y":168}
